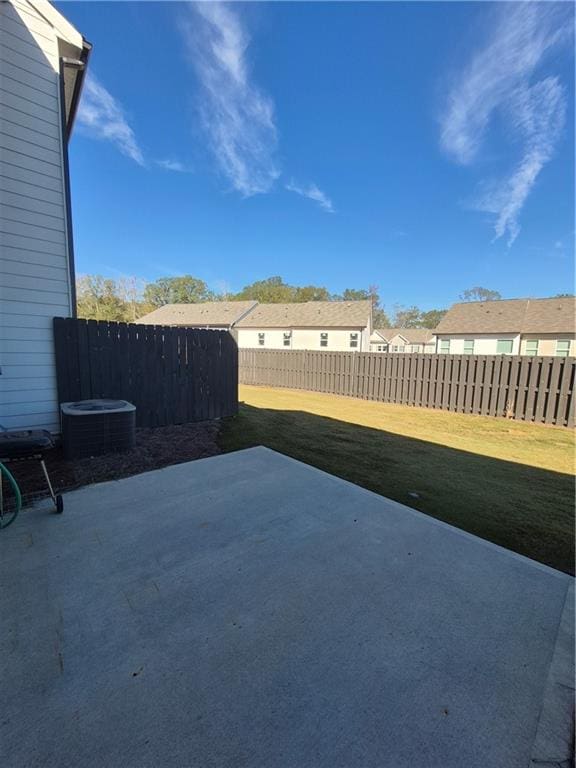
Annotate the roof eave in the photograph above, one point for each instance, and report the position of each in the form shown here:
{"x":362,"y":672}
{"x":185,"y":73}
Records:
{"x":80,"y":77}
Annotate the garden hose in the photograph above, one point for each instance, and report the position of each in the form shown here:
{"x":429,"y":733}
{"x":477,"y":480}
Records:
{"x":17,"y":496}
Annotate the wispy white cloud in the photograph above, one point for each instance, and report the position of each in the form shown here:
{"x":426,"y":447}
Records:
{"x":497,"y":81}
{"x":101,"y":116}
{"x":173,"y":165}
{"x":238,"y":117}
{"x":312,"y":192}
{"x":539,"y":118}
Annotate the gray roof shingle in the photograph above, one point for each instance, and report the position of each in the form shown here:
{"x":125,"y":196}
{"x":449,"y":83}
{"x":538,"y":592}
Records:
{"x":216,"y":313}
{"x":511,"y":316}
{"x":412,"y":335}
{"x":310,"y":314}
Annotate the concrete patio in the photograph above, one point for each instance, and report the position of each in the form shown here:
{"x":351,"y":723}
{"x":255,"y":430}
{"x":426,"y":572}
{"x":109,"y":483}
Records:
{"x":249,"y":610}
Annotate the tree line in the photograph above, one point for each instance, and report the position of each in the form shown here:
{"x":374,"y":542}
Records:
{"x":129,"y":298}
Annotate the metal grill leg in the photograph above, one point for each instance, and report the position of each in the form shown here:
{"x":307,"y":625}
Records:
{"x":49,"y":484}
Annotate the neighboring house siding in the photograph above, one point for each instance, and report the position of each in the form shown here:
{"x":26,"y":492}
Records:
{"x":545,"y":327}
{"x":485,"y":344}
{"x":304,"y":338}
{"x":34,"y":268}
{"x":398,"y":343}
{"x":547,"y":343}
{"x":408,"y":348}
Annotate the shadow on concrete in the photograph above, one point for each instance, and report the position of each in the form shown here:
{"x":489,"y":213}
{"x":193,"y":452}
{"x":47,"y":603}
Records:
{"x":523,"y":508}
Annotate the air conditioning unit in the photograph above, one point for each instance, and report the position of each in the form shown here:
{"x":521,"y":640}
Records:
{"x":95,"y":427}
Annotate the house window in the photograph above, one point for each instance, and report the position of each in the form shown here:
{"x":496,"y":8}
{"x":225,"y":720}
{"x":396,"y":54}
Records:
{"x":468,"y":346}
{"x":353,"y":339}
{"x":382,"y":347}
{"x":504,"y":346}
{"x":261,"y":339}
{"x":323,"y":339}
{"x":562,"y":347}
{"x":287,"y":337}
{"x":444,"y":348}
{"x":532,"y":347}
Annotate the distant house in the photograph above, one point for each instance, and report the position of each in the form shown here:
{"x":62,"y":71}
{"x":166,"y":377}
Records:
{"x":220,"y":315}
{"x":42,"y":67}
{"x":323,"y":325}
{"x":510,"y":326}
{"x":402,"y":340}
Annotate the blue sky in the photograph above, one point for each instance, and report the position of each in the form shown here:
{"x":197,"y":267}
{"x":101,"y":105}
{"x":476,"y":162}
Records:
{"x":422,"y":147}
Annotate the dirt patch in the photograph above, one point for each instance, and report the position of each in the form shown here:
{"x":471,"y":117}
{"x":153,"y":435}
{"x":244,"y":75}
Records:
{"x":155,"y":448}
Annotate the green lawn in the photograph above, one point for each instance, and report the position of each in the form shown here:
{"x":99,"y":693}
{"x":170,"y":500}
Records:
{"x":508,"y":482}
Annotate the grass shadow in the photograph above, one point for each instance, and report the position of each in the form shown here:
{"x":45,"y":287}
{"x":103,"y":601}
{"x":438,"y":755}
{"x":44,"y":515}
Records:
{"x":523,"y":508}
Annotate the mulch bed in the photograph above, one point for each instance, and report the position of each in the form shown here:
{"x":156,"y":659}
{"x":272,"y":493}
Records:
{"x":155,"y":448}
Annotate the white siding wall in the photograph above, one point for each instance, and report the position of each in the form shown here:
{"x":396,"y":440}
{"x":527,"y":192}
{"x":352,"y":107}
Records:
{"x":547,"y":343}
{"x":485,"y":344}
{"x":398,"y":341}
{"x":34,"y":275}
{"x":304,"y":338}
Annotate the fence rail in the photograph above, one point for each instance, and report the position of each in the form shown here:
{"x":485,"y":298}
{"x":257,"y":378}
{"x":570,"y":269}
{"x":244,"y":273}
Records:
{"x":533,"y":389}
{"x":171,"y":375}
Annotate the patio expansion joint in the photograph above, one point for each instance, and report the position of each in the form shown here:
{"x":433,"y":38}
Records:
{"x":552,"y":748}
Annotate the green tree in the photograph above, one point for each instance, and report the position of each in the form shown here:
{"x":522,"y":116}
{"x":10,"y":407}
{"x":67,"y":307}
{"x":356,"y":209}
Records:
{"x":359,"y":294}
{"x":380,"y":318}
{"x":431,"y":318}
{"x":479,"y":294}
{"x":311,"y":293}
{"x":407,"y":317}
{"x":176,"y":290}
{"x":412,"y":317}
{"x":130,"y":290}
{"x":97,"y":298}
{"x":273,"y":290}
{"x":355,"y":294}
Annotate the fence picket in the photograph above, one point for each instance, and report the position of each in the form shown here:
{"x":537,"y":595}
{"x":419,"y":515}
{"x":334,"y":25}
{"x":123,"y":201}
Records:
{"x":566,"y":386}
{"x":522,"y":389}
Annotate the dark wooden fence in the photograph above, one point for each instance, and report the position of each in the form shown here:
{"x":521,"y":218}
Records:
{"x":171,"y":375}
{"x":534,"y":389}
